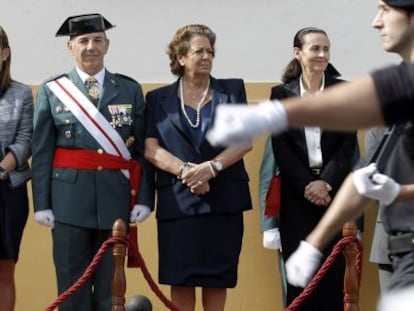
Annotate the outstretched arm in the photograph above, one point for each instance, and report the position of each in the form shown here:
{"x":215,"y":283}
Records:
{"x":346,"y":106}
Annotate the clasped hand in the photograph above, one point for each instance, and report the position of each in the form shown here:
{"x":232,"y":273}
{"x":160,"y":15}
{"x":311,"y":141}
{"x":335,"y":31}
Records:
{"x":317,"y":193}
{"x":196,"y":177}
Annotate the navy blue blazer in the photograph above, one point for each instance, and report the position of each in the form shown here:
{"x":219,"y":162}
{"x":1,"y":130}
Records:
{"x":338,"y":149}
{"x":229,"y":191}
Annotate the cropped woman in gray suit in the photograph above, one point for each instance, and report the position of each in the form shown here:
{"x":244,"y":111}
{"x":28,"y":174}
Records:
{"x":16,"y":127}
{"x":202,"y":190}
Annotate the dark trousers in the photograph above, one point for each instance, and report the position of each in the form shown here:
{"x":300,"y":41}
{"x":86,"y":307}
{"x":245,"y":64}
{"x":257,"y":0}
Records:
{"x":73,"y":251}
{"x":297,"y":219}
{"x":403,"y":275}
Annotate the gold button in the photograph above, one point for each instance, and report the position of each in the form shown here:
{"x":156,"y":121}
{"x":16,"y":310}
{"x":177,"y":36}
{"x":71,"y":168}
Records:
{"x":100,"y":151}
{"x":133,"y":192}
{"x":100,"y":168}
{"x":67,"y":121}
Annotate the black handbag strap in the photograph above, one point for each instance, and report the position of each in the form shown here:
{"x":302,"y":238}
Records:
{"x":383,"y":151}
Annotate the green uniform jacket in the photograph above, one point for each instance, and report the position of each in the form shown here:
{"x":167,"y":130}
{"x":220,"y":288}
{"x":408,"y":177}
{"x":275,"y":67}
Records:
{"x":88,"y":198}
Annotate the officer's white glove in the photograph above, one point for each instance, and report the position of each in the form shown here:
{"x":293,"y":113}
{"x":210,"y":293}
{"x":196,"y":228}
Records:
{"x":45,"y":218}
{"x":139,"y":213}
{"x":271,"y":239}
{"x":374,"y":185}
{"x":239,"y":123}
{"x":302,"y":264}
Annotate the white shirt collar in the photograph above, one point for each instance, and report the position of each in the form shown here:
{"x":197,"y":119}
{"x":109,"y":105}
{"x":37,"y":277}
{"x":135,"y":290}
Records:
{"x":100,"y":76}
{"x":302,"y":89}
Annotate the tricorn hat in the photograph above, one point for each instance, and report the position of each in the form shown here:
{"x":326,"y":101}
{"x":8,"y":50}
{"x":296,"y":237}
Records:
{"x":81,"y":24}
{"x":402,"y":4}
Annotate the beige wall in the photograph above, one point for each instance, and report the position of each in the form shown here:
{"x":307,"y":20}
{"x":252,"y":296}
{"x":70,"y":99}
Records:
{"x":258,"y":286}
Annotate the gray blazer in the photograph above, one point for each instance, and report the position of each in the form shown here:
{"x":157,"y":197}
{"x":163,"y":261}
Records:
{"x":16,"y":128}
{"x":379,"y":248}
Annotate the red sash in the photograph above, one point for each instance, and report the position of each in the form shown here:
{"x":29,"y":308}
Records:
{"x":97,"y":160}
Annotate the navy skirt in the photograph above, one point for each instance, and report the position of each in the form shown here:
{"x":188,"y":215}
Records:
{"x":14,"y":210}
{"x":201,"y":250}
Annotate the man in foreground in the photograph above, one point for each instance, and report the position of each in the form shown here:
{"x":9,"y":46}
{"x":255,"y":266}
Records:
{"x":384,"y":97}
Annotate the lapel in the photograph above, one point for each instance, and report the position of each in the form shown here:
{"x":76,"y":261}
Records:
{"x":298,"y":134}
{"x":74,"y":77}
{"x":219,"y":95}
{"x":294,"y":86}
{"x":109,"y":89}
{"x":171,"y":104}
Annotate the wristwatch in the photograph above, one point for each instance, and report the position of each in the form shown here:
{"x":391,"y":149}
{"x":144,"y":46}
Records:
{"x":217,"y":166}
{"x":3,"y":174}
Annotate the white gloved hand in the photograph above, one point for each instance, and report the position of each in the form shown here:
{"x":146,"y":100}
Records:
{"x":302,"y":264}
{"x":271,"y":239}
{"x":139,"y":213}
{"x":45,"y":218}
{"x":235,"y":123}
{"x":374,"y":185}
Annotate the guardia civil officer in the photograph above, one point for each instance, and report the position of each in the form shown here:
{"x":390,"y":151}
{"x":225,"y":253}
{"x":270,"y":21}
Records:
{"x":88,"y":164}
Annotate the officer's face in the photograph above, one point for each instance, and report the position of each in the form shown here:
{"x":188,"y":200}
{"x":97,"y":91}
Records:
{"x":89,"y":51}
{"x":396,"y":30}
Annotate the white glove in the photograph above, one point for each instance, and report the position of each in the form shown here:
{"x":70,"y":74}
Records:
{"x":302,"y":264}
{"x":235,"y":123}
{"x":45,"y":218}
{"x":271,"y":239}
{"x":374,"y":185}
{"x":139,"y":213}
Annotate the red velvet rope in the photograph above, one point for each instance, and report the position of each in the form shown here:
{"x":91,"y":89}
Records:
{"x":92,"y":267}
{"x":293,"y":306}
{"x":338,"y":248}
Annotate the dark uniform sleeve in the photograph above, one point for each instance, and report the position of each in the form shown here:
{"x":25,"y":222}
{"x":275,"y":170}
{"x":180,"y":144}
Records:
{"x":395,"y":89}
{"x":146,"y":191}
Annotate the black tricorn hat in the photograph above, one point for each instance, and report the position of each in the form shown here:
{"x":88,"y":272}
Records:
{"x":402,"y":4}
{"x":81,"y":24}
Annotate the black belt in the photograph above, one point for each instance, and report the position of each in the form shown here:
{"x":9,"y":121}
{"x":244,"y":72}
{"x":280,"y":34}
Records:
{"x":316,"y":171}
{"x":401,"y":243}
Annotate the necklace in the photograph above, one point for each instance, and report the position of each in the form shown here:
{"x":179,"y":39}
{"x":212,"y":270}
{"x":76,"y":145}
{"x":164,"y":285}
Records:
{"x":198,"y":110}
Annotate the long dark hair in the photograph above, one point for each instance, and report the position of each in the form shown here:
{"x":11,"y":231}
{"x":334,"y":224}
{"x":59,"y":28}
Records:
{"x":293,"y":70}
{"x":5,"y":78}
